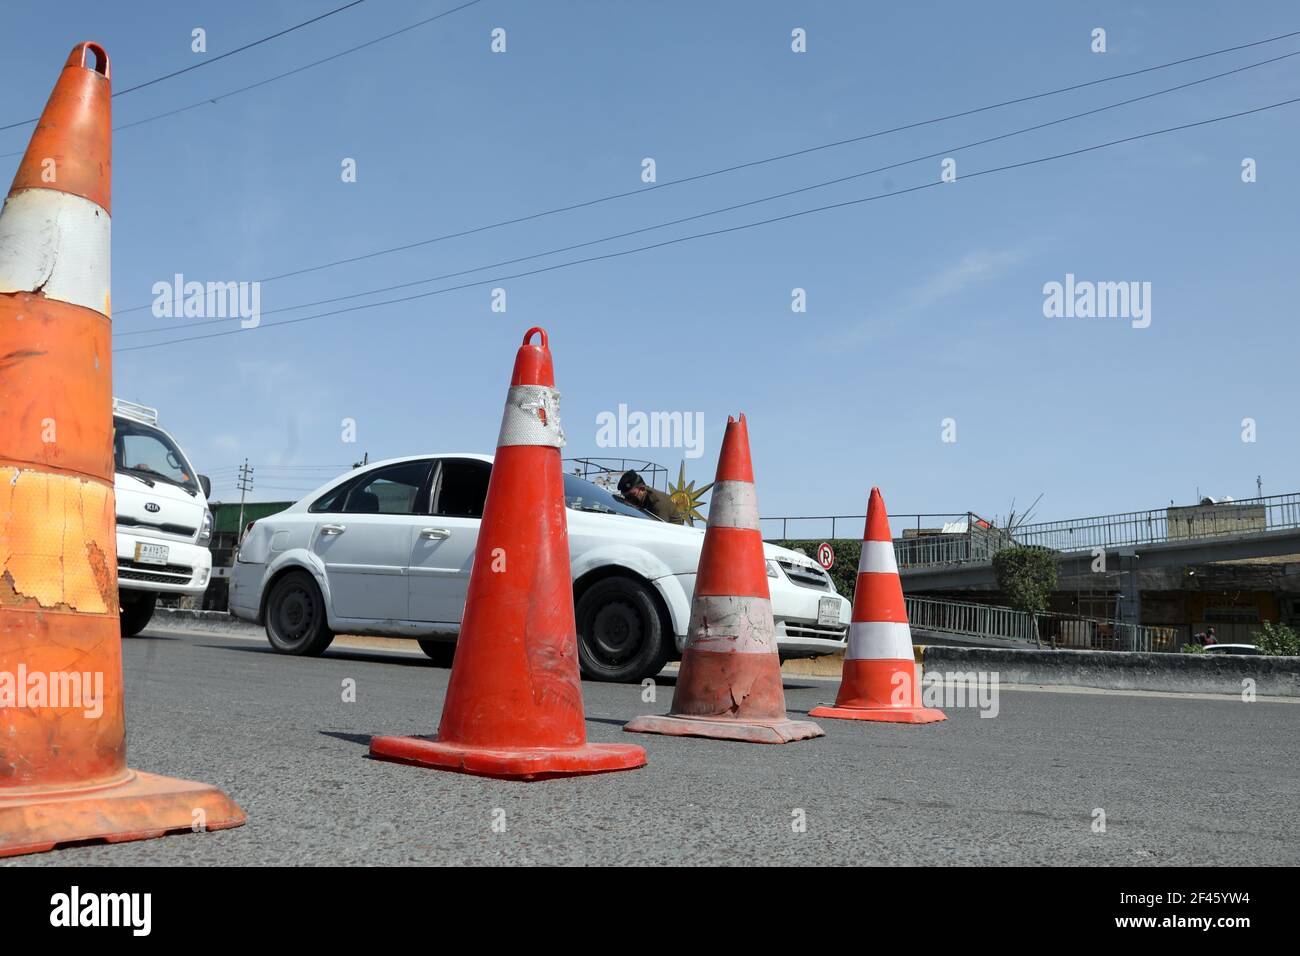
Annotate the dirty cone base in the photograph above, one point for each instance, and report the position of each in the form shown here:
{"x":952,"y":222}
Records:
{"x":141,"y":807}
{"x":777,"y":731}
{"x":525,"y":763}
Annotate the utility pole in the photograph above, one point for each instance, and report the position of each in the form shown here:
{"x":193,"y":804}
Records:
{"x":245,"y":485}
{"x":1259,"y":486}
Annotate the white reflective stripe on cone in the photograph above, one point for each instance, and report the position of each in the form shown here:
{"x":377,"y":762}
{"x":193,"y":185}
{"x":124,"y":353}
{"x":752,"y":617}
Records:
{"x":531,"y":417}
{"x":878,"y":556}
{"x":879,"y":640}
{"x":724,"y":624}
{"x":58,"y":243}
{"x":734,"y":505}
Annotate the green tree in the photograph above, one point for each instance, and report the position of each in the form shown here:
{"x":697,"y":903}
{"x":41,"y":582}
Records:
{"x":1027,"y":575}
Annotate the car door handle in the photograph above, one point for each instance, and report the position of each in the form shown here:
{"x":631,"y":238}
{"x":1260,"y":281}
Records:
{"x":333,"y":528}
{"x":435,"y":534}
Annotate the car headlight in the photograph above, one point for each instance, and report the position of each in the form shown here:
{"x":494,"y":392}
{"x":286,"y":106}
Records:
{"x":205,"y":532}
{"x":772,"y":570}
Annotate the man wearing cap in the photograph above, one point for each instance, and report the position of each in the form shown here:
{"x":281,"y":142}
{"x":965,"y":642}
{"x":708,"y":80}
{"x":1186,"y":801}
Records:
{"x":650,"y":500}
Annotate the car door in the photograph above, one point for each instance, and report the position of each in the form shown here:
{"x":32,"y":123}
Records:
{"x":443,"y":548}
{"x":365,"y":539}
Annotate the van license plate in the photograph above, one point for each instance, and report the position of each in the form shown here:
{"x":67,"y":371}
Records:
{"x":828,"y":612}
{"x":150,"y":553}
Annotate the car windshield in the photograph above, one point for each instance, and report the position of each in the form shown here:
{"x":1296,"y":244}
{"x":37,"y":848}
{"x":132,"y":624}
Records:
{"x":583,"y":495}
{"x":148,"y":453}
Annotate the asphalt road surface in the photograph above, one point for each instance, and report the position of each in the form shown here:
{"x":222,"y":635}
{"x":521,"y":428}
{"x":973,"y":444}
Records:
{"x":1181,"y":780}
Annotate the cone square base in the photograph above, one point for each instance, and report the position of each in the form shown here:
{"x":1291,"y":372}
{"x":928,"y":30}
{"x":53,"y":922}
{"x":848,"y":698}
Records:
{"x":525,"y":763}
{"x":778,"y":731}
{"x":888,"y":715}
{"x":141,"y":807}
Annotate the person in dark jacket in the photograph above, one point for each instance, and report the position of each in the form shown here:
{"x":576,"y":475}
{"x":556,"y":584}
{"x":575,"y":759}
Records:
{"x":650,"y":500}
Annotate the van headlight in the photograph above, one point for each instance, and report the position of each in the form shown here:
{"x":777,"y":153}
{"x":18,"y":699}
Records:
{"x":205,"y":532}
{"x":772,"y":570}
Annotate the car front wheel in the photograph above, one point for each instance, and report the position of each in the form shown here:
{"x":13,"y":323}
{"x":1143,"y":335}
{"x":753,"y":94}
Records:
{"x":621,"y":634}
{"x":295,"y":616}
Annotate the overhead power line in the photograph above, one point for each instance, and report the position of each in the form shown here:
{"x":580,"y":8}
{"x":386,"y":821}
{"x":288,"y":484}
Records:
{"x":748,"y":164}
{"x":208,"y":61}
{"x":716,"y":212}
{"x":730,"y":229}
{"x":271,"y":79}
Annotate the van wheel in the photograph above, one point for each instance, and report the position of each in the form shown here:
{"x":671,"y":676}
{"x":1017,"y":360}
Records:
{"x":137,"y":610}
{"x":295,"y":617}
{"x":440,"y":652}
{"x":621,"y":634}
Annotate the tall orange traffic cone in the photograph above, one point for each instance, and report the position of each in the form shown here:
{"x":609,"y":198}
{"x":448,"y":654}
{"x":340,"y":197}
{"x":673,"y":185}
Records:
{"x":63,"y":773}
{"x":514,"y":702}
{"x":879,"y":680}
{"x":729,"y":685}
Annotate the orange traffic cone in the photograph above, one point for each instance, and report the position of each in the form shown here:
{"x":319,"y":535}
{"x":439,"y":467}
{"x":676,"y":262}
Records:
{"x":63,"y":773}
{"x":879,"y":680}
{"x":514,"y":702}
{"x":729,"y":685}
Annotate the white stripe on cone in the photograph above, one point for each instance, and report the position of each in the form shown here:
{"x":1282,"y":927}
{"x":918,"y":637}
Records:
{"x":879,"y":640}
{"x":531,"y":417}
{"x":878,"y":556}
{"x":731,"y":624}
{"x":734,"y":505}
{"x":59,"y":243}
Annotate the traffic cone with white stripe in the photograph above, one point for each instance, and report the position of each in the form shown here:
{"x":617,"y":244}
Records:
{"x":63,"y":772}
{"x":879,"y":681}
{"x":729,"y":685}
{"x":514,"y":702}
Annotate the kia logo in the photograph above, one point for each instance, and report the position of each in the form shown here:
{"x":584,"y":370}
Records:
{"x":152,"y":508}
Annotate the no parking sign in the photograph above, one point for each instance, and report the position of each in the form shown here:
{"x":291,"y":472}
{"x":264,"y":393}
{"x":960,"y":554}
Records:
{"x":826,"y":555}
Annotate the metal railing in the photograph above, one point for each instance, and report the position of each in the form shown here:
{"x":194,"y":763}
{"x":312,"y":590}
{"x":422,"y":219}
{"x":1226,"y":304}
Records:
{"x":948,"y":548}
{"x":968,"y":619}
{"x":852,"y":525}
{"x":655,"y":475}
{"x":1245,"y":516}
{"x":980,"y":541}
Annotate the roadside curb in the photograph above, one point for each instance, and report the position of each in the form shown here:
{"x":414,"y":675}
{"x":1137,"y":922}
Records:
{"x":218,"y":622}
{"x":1106,"y":670}
{"x":1124,"y":670}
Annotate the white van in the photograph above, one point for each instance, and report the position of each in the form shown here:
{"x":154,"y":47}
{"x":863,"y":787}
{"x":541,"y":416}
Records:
{"x":163,"y":521}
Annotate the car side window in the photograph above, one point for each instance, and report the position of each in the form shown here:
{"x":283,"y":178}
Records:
{"x":332,"y":500}
{"x":388,"y":491}
{"x":462,"y":488}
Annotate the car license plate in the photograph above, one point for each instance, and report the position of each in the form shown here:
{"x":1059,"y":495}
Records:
{"x":828,"y":612}
{"x":150,"y":553}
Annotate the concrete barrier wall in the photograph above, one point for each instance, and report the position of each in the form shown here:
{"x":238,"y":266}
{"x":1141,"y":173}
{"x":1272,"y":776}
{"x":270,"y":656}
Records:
{"x":1123,"y":670}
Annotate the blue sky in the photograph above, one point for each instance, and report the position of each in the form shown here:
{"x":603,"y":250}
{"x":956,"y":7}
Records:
{"x":921,"y":307}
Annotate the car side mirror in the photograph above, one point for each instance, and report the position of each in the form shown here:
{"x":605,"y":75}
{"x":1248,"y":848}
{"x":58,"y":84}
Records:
{"x":206,"y":484}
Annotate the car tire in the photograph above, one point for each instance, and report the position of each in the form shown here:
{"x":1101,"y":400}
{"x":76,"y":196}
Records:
{"x":442,"y":653}
{"x":295,"y":616}
{"x":621,"y":632}
{"x":137,"y":611}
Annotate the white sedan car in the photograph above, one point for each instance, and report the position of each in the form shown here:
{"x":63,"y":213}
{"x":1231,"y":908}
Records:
{"x":387,"y":550}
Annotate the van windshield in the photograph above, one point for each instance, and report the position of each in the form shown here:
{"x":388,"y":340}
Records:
{"x":148,"y":454}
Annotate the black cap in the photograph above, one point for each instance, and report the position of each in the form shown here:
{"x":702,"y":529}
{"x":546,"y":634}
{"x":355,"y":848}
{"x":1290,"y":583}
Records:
{"x":629,"y":481}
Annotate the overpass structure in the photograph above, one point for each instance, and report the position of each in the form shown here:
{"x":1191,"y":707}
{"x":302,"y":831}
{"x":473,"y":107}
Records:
{"x":1156,"y":538}
{"x":1107,"y":561}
